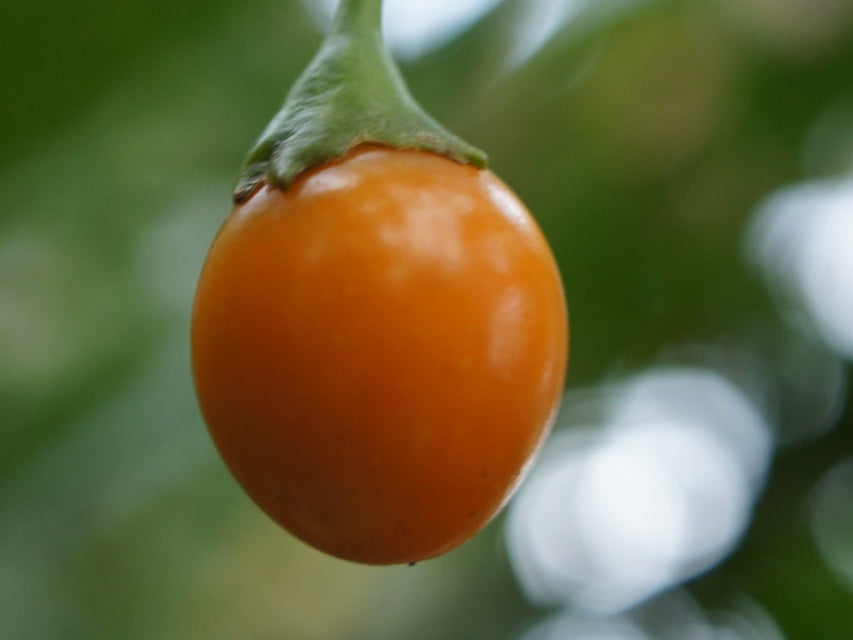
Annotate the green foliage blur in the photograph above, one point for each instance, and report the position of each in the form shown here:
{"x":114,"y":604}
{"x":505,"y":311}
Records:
{"x":643,"y":137}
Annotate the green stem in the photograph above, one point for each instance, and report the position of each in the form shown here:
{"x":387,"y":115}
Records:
{"x":360,"y":16}
{"x":351,"y":93}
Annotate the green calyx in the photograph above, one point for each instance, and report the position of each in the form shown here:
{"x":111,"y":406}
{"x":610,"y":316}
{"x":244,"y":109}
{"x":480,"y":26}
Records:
{"x":351,"y":93}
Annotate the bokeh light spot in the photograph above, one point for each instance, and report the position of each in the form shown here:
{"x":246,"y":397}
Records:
{"x":802,"y":240}
{"x":832,"y":520}
{"x":660,"y":492}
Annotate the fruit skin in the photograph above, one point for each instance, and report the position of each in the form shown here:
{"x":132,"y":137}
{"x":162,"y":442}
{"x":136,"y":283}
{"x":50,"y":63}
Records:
{"x":379,"y":351}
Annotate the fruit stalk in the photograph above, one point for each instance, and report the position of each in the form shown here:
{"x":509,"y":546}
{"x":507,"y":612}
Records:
{"x":351,"y":93}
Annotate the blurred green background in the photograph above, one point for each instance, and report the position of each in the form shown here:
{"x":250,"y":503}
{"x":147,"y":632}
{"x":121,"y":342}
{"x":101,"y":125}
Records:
{"x":691,"y":163}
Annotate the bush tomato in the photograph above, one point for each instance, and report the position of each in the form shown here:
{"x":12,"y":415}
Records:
{"x":379,"y":350}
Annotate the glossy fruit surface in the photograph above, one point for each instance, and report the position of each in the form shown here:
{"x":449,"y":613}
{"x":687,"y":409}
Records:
{"x":379,"y":351}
